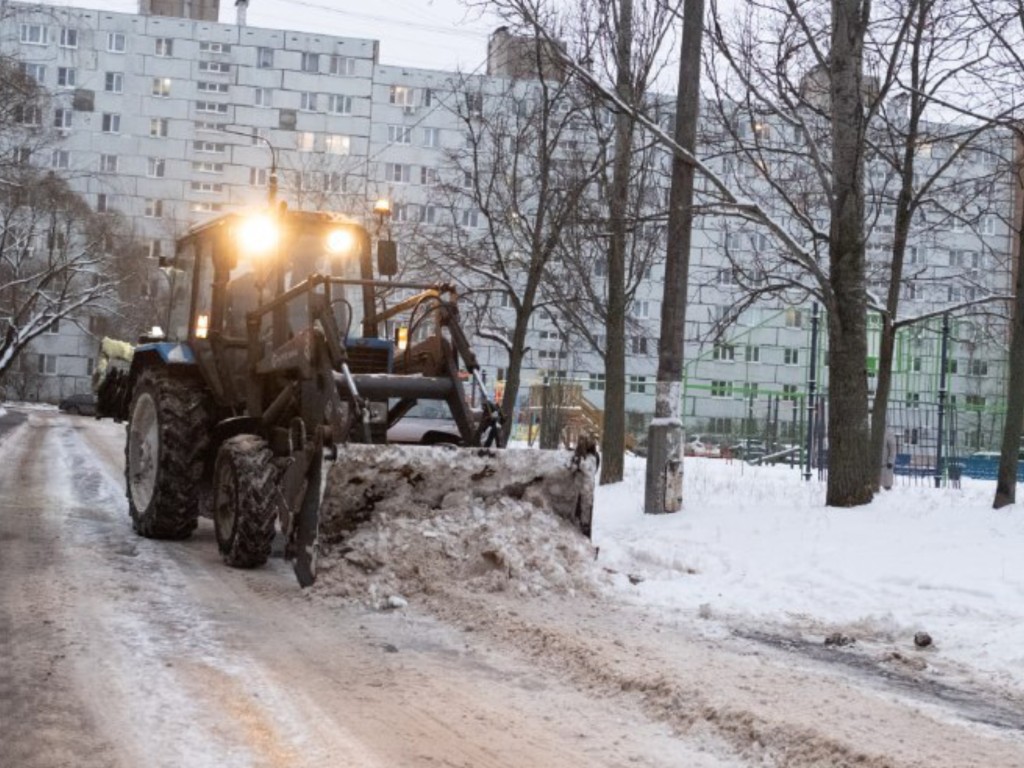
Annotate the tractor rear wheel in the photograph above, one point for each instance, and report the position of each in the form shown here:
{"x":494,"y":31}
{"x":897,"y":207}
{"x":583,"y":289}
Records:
{"x":168,"y":436}
{"x":244,"y":490}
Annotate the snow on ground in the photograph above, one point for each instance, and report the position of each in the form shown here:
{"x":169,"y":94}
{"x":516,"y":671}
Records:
{"x":757,"y":547}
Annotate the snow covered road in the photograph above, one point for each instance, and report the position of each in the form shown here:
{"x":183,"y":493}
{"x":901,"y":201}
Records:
{"x":121,"y":651}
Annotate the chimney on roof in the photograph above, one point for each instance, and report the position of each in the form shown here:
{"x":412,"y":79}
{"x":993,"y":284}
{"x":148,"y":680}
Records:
{"x":241,"y":6}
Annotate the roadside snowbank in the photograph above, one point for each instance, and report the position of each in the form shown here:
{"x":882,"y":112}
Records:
{"x":757,"y":547}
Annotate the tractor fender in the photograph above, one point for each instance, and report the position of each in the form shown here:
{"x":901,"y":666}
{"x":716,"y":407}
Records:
{"x":178,"y":358}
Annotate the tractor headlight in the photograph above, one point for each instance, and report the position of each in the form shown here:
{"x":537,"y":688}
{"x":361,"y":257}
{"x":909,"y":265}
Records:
{"x":340,"y":241}
{"x":257,"y":235}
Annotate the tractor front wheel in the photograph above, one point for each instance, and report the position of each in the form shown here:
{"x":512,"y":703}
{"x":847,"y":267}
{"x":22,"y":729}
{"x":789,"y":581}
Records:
{"x":168,"y":435}
{"x":244,"y":490}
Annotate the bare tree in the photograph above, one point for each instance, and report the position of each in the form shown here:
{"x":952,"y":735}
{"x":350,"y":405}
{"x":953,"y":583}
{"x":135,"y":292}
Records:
{"x":54,"y":260}
{"x":508,"y":196}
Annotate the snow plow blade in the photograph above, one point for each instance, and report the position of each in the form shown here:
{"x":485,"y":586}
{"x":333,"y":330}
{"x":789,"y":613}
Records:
{"x":395,"y":478}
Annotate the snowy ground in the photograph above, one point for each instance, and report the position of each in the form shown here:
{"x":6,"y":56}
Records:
{"x":757,"y":547}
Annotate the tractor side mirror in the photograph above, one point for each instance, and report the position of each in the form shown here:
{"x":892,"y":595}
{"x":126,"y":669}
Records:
{"x":387,"y":258}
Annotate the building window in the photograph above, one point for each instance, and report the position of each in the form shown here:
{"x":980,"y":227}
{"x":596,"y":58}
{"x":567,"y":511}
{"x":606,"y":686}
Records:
{"x":101,"y":203}
{"x":641,"y":309}
{"x":310,"y":62}
{"x":264,"y":58}
{"x":204,"y":125}
{"x":721,"y":389}
{"x":114,"y":82}
{"x":214,"y":48}
{"x":638,"y":385}
{"x":471,"y":218}
{"x":725,"y":352}
{"x":974,"y":401}
{"x":156,"y":167}
{"x":211,"y":147}
{"x":67,"y":77}
{"x":164,"y":46}
{"x":305,"y":141}
{"x":428,"y":215}
{"x":206,"y":207}
{"x":262,"y":97}
{"x":789,"y":392}
{"x":794,"y":318}
{"x":162,"y":86}
{"x":62,"y":118}
{"x":28,"y":116}
{"x":212,"y":107}
{"x":307,"y":101}
{"x":68,"y":37}
{"x":401,"y":95}
{"x":36,"y":72}
{"x":158,"y":127}
{"x":154,"y":209}
{"x":428,"y":97}
{"x":474,"y":102}
{"x":638,"y":345}
{"x":207,"y":167}
{"x":977,"y":367}
{"x":47,"y":364}
{"x":216,"y":67}
{"x":207,"y":187}
{"x":428,"y":176}
{"x":60,"y":158}
{"x":111,"y":122}
{"x":116,"y":42}
{"x":431,"y":137}
{"x":205,"y":86}
{"x":399,"y":134}
{"x":340,"y":105}
{"x":749,"y":391}
{"x":108,"y":163}
{"x":791,"y":356}
{"x":343,"y":65}
{"x":753,"y":353}
{"x":596,"y":382}
{"x":33,"y":34}
{"x":337,"y":144}
{"x":913,"y":399}
{"x":396,"y":172}
{"x":258,"y":177}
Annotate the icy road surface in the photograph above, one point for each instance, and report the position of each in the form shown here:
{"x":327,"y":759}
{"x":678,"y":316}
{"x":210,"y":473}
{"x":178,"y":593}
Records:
{"x":119,"y":651}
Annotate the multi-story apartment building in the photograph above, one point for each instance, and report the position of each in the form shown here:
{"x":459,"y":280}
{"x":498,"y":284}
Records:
{"x":170,"y":120}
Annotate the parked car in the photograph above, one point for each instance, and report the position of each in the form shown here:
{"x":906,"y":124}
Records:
{"x":83,"y":404}
{"x":427,"y":423}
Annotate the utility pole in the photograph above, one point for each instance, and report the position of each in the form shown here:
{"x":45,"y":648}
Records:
{"x":944,"y":362}
{"x":812,"y":388}
{"x":664,"y":483}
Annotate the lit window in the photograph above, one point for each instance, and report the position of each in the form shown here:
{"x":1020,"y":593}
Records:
{"x":401,"y":95}
{"x":337,"y":144}
{"x":162,"y":86}
{"x":305,"y":141}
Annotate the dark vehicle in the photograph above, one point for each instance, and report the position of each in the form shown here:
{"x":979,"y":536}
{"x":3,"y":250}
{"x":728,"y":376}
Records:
{"x":83,"y":404}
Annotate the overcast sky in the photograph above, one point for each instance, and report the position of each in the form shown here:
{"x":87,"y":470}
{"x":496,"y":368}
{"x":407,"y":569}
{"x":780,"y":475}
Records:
{"x":436,"y":34}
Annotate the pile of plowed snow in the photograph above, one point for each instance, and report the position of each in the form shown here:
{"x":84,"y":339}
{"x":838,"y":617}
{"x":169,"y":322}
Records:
{"x":469,"y":543}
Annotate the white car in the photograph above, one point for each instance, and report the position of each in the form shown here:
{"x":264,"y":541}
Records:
{"x":429,"y":422}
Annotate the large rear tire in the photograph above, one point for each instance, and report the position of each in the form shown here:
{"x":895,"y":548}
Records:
{"x":168,"y":436}
{"x":244,"y":490}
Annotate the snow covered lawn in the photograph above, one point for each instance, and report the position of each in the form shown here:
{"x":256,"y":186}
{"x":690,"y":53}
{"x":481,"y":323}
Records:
{"x":757,"y":548}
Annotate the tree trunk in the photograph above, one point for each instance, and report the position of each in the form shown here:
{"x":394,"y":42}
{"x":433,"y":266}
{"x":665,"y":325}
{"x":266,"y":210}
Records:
{"x":1006,"y":481}
{"x":513,"y":375}
{"x":664,"y":482}
{"x":613,"y":441}
{"x":851,"y":467}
